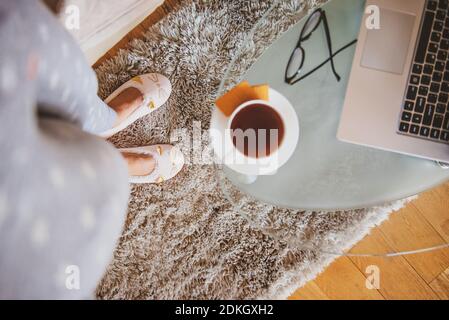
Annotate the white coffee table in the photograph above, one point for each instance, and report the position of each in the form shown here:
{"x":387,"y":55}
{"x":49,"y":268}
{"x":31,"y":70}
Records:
{"x":324,"y":173}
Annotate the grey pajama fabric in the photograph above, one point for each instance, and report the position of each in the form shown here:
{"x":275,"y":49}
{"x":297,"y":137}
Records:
{"x":63,"y":191}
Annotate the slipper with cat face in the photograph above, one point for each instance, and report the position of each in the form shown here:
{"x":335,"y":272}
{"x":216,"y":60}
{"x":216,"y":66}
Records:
{"x":155,"y":88}
{"x":169,"y":162}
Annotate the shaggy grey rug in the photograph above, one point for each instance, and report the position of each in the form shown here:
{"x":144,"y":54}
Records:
{"x":183,"y":239}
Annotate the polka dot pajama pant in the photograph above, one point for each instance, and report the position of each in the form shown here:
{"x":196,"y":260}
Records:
{"x":63,"y":191}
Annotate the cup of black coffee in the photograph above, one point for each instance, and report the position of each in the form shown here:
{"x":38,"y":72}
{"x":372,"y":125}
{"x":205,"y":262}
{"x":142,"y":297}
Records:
{"x":257,"y":129}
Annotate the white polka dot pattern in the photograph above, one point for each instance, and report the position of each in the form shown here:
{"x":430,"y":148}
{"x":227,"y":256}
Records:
{"x":57,"y":177}
{"x":40,"y":233}
{"x":8,"y":77}
{"x":54,"y":80}
{"x":87,"y":218}
{"x":44,"y":32}
{"x":87,"y":170}
{"x":3,"y":208}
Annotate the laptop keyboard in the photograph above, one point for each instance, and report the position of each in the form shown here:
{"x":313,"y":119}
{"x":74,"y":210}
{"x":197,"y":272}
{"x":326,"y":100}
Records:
{"x":425,"y":111}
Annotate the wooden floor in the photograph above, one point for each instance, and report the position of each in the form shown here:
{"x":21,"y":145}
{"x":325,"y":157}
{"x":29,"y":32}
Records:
{"x":423,"y":223}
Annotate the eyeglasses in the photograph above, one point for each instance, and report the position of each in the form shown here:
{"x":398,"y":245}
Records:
{"x":296,"y":61}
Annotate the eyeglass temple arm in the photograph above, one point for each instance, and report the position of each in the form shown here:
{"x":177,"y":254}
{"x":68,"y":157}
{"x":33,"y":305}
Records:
{"x":323,"y":63}
{"x":329,"y":45}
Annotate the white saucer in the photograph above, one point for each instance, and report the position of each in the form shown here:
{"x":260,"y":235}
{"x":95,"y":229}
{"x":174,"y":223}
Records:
{"x":217,"y":133}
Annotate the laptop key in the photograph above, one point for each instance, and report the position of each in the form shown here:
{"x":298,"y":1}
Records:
{"x":428,"y":69}
{"x":431,"y":58}
{"x":433,"y":47}
{"x":414,"y":79}
{"x":439,"y":66}
{"x":414,"y":129}
{"x":446,"y":74}
{"x":406,"y":116}
{"x":444,"y":136}
{"x":432,"y":98}
{"x":412,"y":92}
{"x":443,"y":97}
{"x":423,"y":91}
{"x":435,"y":37}
{"x":408,"y":105}
{"x":403,"y":127}
{"x":420,"y":104}
{"x":438,"y":121}
{"x":438,"y":26}
{"x":428,"y":115}
{"x":424,"y":132}
{"x":442,"y":55}
{"x":445,"y":87}
{"x":432,"y":5}
{"x":417,"y":68}
{"x":425,"y":80}
{"x":417,"y":118}
{"x":441,"y":15}
{"x":441,"y":108}
{"x":445,"y":125}
{"x":446,"y":121}
{"x":446,"y":33}
{"x":437,"y":76}
{"x":435,"y":134}
{"x":444,"y":44}
{"x":434,"y":87}
{"x":443,"y":4}
{"x":423,"y":42}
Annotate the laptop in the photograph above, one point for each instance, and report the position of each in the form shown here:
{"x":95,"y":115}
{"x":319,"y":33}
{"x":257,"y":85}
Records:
{"x":397,"y":97}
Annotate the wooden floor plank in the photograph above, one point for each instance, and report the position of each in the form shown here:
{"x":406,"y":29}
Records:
{"x":342,"y":280}
{"x":409,"y":230}
{"x":398,"y":279}
{"x":434,"y":206}
{"x":310,"y":291}
{"x":441,"y":285}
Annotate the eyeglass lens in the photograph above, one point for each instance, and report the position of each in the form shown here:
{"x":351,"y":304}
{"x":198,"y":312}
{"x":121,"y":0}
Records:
{"x":296,"y":61}
{"x":311,"y":24}
{"x":297,"y":57}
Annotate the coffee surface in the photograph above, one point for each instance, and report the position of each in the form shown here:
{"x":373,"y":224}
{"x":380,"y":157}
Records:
{"x":257,"y":122}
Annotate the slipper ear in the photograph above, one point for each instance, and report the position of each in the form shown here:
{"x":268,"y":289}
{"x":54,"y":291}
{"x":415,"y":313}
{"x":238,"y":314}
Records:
{"x":157,"y":88}
{"x":138,"y":80}
{"x":153,"y":77}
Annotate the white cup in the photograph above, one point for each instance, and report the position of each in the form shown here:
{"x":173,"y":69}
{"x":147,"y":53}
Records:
{"x":264,"y":164}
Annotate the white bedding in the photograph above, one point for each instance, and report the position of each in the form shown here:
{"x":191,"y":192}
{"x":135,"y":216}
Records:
{"x":104,"y":22}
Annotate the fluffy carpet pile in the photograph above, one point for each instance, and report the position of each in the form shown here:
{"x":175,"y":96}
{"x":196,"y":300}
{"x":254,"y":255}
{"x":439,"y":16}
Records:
{"x":183,"y":239}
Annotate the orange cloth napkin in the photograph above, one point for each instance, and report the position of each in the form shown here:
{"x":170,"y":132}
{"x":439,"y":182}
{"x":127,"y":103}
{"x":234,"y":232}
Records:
{"x":241,"y":93}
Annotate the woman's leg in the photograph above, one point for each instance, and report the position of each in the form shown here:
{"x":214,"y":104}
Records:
{"x":63,"y":192}
{"x":125,"y":103}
